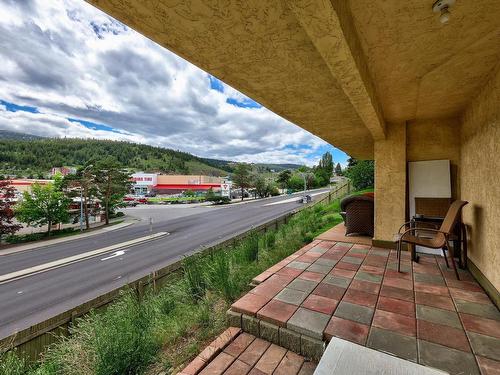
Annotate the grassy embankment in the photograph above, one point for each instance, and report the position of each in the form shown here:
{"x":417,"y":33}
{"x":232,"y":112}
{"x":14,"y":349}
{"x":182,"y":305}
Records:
{"x":164,"y":330}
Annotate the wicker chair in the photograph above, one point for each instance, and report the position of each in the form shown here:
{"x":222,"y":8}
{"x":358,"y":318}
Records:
{"x":440,"y":238}
{"x":358,"y":214}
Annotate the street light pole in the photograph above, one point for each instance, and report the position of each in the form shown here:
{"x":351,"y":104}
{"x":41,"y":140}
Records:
{"x":304,"y":200}
{"x":81,"y":209}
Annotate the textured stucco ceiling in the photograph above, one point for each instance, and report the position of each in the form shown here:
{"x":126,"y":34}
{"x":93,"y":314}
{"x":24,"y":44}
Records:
{"x":338,"y":69}
{"x":421,"y":68}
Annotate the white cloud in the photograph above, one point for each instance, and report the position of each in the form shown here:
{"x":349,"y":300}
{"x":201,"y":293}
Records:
{"x":70,"y":60}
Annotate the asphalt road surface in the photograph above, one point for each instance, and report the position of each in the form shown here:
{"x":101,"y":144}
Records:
{"x":35,"y":298}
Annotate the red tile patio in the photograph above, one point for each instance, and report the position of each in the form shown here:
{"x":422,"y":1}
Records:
{"x":238,"y":353}
{"x":423,"y":314}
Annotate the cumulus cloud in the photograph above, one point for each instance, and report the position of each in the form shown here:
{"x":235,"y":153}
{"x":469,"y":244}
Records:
{"x":71,"y":61}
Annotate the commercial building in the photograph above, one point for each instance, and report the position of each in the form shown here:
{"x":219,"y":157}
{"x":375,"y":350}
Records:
{"x":144,"y":183}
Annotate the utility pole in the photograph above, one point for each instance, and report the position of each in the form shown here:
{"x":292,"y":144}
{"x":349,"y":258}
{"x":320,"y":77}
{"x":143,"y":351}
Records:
{"x":81,"y":209}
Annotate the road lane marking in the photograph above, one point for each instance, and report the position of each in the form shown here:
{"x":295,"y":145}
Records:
{"x":76,"y":258}
{"x":114,"y":255}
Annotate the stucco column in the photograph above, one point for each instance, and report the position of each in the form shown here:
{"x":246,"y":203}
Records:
{"x":390,"y":182}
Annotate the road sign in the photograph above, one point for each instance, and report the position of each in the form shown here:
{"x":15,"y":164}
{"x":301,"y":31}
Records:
{"x":225,"y":189}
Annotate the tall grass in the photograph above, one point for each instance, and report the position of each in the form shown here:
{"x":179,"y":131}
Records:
{"x":127,"y":337}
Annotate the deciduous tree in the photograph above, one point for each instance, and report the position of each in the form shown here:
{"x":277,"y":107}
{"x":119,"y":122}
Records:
{"x":45,"y":205}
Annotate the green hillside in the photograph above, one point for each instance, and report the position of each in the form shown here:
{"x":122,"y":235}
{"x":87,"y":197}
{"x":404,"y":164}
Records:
{"x":32,"y":157}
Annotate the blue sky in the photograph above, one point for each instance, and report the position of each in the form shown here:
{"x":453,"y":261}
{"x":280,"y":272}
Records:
{"x":70,"y":70}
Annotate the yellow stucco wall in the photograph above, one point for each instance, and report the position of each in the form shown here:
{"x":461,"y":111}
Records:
{"x":480,"y":178}
{"x":390,"y":182}
{"x":436,"y":139}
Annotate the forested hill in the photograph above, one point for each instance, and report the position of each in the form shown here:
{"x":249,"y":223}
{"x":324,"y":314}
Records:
{"x":26,"y":156}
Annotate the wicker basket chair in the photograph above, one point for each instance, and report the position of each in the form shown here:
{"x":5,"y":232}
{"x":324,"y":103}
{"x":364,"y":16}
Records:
{"x":358,"y":214}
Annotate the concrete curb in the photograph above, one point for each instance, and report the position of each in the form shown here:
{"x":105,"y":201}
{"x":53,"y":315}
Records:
{"x":41,"y":244}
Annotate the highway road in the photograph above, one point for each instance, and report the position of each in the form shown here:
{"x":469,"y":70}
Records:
{"x":37,"y":297}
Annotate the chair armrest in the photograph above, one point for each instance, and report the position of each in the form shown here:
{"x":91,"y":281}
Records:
{"x":401,"y":227}
{"x":446,"y":235}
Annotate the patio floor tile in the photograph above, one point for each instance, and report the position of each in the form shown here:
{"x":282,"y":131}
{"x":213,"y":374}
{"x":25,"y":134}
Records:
{"x":308,"y":257}
{"x":238,"y":368}
{"x":439,"y":316}
{"x":392,"y":342}
{"x":319,"y":268}
{"x":467,"y":295}
{"x":289,"y":271}
{"x":281,"y":280}
{"x":488,"y":366}
{"x":357,"y":313}
{"x":239,"y":344}
{"x":433,"y":289}
{"x":390,"y":291}
{"x":254,"y":351}
{"x":340,"y":281}
{"x":250,"y":303}
{"x":372,"y":269}
{"x":398,"y":275}
{"x":396,"y":306}
{"x":351,"y":259}
{"x":312,"y":276}
{"x":394,"y":266}
{"x":344,"y":273}
{"x":451,"y":360}
{"x":262,"y":277}
{"x":347,"y":266}
{"x":307,"y":368}
{"x":429,"y":279}
{"x":481,"y":325}
{"x":366,"y":276}
{"x":326,"y":262}
{"x":218,"y":365}
{"x":290,"y":364}
{"x":360,"y":298}
{"x":487,"y":311}
{"x":432,"y":300}
{"x":485,"y":346}
{"x":270,"y":359}
{"x":464,"y":285}
{"x":398,"y":283}
{"x":365,"y":286}
{"x":320,"y":304}
{"x":267,"y":289}
{"x":347,"y":329}
{"x":443,"y":335}
{"x":291,"y":296}
{"x":395,"y":322}
{"x":276,"y":312}
{"x":303,"y":285}
{"x":329,"y":291}
{"x":299,"y":265}
{"x":308,"y":322}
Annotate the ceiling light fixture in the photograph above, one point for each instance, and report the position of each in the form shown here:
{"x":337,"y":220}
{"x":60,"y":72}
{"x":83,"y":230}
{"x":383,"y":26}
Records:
{"x":443,"y":6}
